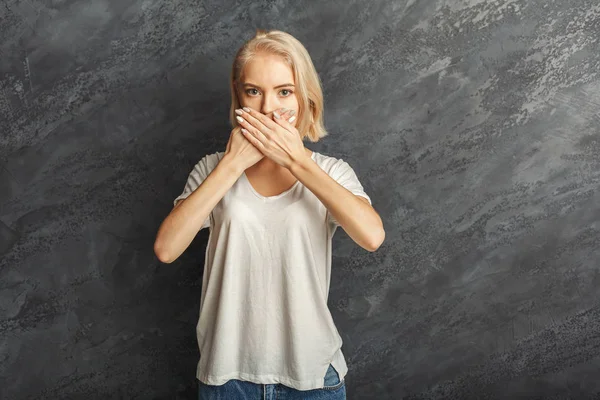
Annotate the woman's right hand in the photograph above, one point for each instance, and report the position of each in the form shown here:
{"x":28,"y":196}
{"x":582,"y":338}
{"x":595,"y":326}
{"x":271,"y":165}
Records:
{"x":241,"y":150}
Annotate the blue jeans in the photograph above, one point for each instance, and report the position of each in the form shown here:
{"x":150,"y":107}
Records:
{"x":235,"y":389}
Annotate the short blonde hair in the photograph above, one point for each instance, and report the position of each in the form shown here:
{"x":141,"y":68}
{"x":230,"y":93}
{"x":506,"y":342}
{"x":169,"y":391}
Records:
{"x":308,"y":85}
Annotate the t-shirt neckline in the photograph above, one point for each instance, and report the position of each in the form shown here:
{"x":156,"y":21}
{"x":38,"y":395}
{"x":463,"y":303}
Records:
{"x":277,"y":196}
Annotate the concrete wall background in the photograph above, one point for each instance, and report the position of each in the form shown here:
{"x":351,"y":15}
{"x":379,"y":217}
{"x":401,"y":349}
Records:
{"x":474,"y":126}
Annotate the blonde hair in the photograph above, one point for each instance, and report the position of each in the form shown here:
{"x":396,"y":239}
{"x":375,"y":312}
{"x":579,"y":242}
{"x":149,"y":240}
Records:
{"x":308,"y":85}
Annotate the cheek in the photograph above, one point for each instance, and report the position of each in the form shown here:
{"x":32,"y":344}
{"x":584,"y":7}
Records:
{"x":292,"y":104}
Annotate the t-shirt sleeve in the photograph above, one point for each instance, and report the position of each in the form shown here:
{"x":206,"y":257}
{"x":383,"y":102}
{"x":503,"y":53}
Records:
{"x":199,"y":173}
{"x":343,"y":174}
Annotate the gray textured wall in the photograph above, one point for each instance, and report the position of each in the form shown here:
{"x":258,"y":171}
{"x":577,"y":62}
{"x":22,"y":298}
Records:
{"x":474,"y":125}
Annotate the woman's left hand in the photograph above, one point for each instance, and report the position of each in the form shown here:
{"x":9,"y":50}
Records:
{"x":276,"y":138}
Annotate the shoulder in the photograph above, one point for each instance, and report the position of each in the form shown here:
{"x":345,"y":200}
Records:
{"x":210,"y":161}
{"x":214,"y":158}
{"x":330,"y":164}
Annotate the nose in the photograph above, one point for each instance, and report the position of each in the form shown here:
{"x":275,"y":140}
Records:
{"x":270,"y":104}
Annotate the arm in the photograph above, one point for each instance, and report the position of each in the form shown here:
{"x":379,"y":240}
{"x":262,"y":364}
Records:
{"x":354,"y":213}
{"x":185,"y":219}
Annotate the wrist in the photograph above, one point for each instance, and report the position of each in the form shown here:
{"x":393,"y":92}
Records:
{"x":232,"y":165}
{"x":301,"y":164}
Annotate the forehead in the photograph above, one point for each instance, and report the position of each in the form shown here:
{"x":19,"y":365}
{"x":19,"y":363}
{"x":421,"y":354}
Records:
{"x":268,"y":70}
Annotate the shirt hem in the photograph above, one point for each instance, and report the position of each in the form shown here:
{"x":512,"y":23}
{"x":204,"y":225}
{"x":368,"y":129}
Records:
{"x":338,"y":361}
{"x":309,"y":384}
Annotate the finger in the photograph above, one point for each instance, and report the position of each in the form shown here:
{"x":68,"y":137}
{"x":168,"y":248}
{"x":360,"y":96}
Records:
{"x":288,"y":126}
{"x":287,"y":114}
{"x":262,"y":135}
{"x":258,"y":119}
{"x":252,"y":139}
{"x":251,"y":129}
{"x":282,"y":114}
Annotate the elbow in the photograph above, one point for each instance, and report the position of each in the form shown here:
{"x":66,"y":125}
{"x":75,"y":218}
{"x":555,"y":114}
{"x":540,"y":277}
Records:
{"x":164,"y":259}
{"x":375,"y":244}
{"x":161,"y":253}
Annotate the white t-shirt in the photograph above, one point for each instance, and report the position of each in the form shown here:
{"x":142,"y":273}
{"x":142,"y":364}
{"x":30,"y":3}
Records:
{"x":263,"y":309}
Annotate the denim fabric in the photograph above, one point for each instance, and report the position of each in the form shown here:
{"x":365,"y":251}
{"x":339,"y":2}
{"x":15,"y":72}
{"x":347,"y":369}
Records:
{"x":235,"y":389}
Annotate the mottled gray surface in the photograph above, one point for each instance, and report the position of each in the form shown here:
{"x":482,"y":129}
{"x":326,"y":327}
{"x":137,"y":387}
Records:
{"x":474,"y":125}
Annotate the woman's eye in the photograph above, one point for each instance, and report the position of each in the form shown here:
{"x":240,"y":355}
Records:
{"x":283,"y":90}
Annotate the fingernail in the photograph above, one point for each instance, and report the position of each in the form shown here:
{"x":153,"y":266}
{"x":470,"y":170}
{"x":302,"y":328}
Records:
{"x":292,"y":112}
{"x":276,"y":114}
{"x":246,"y":109}
{"x":240,"y":119}
{"x":238,"y":112}
{"x":292,"y":119}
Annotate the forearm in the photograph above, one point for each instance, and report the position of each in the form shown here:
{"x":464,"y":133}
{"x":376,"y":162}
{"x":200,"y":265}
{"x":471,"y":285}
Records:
{"x":183,"y":222}
{"x":358,"y":219}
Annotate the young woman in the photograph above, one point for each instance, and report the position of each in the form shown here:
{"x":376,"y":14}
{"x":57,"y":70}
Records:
{"x":272,"y":207}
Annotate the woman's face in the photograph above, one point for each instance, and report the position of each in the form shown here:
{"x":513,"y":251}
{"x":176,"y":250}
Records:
{"x":268,"y":85}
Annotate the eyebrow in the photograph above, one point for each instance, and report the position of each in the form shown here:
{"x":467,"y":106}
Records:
{"x":276,"y":87}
